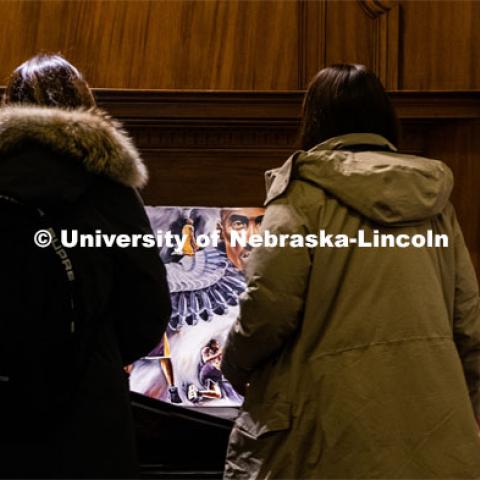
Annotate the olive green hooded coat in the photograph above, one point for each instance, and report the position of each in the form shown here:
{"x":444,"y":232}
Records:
{"x":362,"y":362}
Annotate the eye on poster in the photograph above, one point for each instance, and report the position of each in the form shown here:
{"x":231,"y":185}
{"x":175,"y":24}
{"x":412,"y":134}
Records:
{"x":205,"y":281}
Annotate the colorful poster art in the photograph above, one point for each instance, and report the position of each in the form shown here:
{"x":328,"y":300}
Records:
{"x":206,"y":279}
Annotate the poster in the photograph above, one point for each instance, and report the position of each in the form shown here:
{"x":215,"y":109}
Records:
{"x":206,"y":277}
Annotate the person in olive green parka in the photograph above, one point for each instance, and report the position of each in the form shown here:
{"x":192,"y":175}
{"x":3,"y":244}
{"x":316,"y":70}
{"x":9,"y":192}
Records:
{"x":356,"y":362}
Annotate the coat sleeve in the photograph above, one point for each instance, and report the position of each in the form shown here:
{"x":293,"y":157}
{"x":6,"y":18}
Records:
{"x":272,"y":305}
{"x":140,"y":298}
{"x":466,"y":326}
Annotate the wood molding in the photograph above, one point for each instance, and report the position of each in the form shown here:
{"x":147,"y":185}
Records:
{"x":197,"y":107}
{"x":220,"y":107}
{"x":386,"y":38}
{"x":253,"y":121}
{"x":437,"y":105}
{"x":375,"y":8}
{"x":280,"y":106}
{"x":257,"y":108}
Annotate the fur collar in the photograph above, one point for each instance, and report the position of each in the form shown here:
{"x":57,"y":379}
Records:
{"x":87,"y":135}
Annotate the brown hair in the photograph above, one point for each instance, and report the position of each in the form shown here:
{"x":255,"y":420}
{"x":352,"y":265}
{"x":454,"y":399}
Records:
{"x":345,"y":99}
{"x":48,"y":80}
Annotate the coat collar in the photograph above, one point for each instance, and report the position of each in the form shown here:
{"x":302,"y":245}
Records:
{"x":342,"y":142}
{"x":277,"y":180}
{"x":89,"y":136}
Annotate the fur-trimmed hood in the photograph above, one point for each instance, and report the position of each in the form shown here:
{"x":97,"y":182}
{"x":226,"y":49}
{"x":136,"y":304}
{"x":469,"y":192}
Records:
{"x":89,"y":136}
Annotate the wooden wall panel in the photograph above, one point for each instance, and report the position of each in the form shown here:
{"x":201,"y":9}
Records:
{"x":209,"y":177}
{"x":458,"y":145}
{"x":349,"y":34}
{"x":312,"y":39}
{"x":248,"y":44}
{"x":188,"y":44}
{"x":440,"y":45}
{"x":358,"y":31}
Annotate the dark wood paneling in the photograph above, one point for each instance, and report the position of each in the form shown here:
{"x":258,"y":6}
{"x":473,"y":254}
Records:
{"x":209,"y":177}
{"x":251,"y":107}
{"x":440,"y":45}
{"x":349,"y":34}
{"x":365,"y":32}
{"x":312,"y":39}
{"x":458,"y":145}
{"x":207,"y":148}
{"x":247,"y":44}
{"x":215,"y":44}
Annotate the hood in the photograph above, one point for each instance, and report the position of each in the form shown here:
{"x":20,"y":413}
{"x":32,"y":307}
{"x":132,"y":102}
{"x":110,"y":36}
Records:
{"x":87,"y":137}
{"x":387,"y":187}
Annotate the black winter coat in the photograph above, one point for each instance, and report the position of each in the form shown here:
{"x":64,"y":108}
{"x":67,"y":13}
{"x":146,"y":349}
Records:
{"x":83,"y":170}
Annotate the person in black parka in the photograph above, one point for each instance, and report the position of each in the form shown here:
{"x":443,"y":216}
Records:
{"x":60,"y":153}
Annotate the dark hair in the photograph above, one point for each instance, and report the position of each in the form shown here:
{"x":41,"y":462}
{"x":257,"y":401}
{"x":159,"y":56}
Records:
{"x":345,"y":99}
{"x":48,"y":80}
{"x":212,"y":343}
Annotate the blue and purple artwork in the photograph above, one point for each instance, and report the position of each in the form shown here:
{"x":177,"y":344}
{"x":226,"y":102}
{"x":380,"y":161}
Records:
{"x":205,"y":275}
